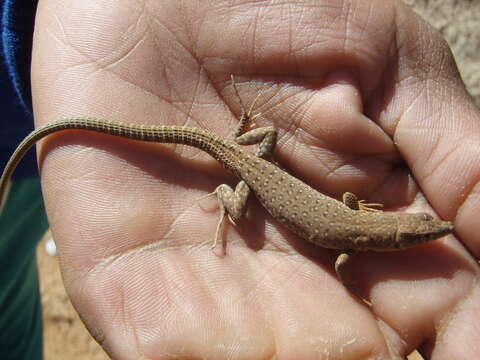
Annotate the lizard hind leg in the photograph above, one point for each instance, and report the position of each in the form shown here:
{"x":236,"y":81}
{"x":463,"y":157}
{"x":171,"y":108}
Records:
{"x":232,"y":203}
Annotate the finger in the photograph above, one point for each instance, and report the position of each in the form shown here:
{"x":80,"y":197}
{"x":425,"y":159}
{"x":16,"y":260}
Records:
{"x":436,"y":127}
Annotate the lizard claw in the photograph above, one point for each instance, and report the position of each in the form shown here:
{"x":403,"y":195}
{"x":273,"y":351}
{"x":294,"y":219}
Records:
{"x":362,"y":205}
{"x":231,"y":220}
{"x":206,"y":196}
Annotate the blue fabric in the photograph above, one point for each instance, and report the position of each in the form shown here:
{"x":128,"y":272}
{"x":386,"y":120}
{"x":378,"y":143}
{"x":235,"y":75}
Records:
{"x":23,"y":220}
{"x":16,"y":26}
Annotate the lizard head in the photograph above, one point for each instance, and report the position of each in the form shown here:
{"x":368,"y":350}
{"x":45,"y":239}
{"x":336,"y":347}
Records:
{"x":415,"y":229}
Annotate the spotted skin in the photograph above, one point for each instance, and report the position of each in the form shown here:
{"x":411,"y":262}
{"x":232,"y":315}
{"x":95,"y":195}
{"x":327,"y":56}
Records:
{"x":347,"y":226}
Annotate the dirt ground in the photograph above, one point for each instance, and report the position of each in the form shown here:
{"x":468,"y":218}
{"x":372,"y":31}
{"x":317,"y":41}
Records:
{"x":65,"y":335}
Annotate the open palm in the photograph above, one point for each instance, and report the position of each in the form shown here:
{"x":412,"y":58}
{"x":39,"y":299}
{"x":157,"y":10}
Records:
{"x":366,"y":99}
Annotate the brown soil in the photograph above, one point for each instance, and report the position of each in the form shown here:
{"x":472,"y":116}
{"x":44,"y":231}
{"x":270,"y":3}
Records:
{"x":66,"y":336}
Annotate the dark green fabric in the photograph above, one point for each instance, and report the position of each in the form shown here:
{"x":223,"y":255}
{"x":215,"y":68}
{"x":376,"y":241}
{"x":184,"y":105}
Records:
{"x":22,"y":224}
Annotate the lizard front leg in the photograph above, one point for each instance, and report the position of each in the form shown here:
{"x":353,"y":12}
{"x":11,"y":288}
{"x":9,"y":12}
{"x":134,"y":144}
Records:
{"x":265,"y":136}
{"x":351,"y":200}
{"x":353,"y":203}
{"x":340,"y":263}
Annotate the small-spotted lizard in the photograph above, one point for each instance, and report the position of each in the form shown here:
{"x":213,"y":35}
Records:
{"x":348,"y":226}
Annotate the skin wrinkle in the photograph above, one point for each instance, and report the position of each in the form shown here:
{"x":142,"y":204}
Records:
{"x":116,"y":74}
{"x":62,"y":39}
{"x":207,"y":291}
{"x":437,"y":73}
{"x":296,"y":125}
{"x":332,"y":174}
{"x":346,"y":10}
{"x":405,"y":113}
{"x":254,"y":28}
{"x":283,"y":139}
{"x":300,"y":112}
{"x":433,"y":154}
{"x":99,"y":335}
{"x":174,"y":37}
{"x":126,"y":319}
{"x":127,"y":51}
{"x":290,"y":42}
{"x":108,"y":64}
{"x":439,"y":163}
{"x":219,"y":93}
{"x":330,"y":169}
{"x":142,"y":11}
{"x":450,"y":316}
{"x":470,"y":193}
{"x":367,"y":22}
{"x":297,"y":142}
{"x":434,"y":141}
{"x":159,"y":46}
{"x":338,"y":165}
{"x":113,"y":257}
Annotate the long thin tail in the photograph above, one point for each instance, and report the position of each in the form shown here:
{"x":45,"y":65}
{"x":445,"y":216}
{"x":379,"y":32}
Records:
{"x":198,"y":138}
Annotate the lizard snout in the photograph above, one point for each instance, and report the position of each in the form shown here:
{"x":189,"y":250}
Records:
{"x":415,"y":229}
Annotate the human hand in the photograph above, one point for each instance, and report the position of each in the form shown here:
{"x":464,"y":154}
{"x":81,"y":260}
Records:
{"x":356,"y":90}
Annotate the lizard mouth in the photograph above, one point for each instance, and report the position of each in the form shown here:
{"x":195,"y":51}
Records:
{"x":429,"y":230}
{"x":440,"y":228}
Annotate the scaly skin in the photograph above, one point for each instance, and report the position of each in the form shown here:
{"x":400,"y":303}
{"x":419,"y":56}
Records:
{"x":314,"y":216}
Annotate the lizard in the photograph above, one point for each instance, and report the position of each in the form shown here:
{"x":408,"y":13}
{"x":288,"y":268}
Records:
{"x":349,"y":225}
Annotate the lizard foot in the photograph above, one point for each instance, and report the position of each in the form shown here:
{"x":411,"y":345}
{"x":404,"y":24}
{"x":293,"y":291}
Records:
{"x":353,"y":203}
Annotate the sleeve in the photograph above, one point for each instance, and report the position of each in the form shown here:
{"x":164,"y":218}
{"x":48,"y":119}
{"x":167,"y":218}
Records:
{"x":16,"y":24}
